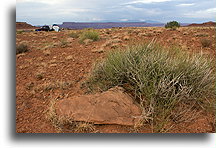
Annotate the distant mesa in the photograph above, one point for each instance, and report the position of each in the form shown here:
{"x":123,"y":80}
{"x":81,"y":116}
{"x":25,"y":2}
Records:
{"x":24,"y":25}
{"x":206,"y":24}
{"x":103,"y":25}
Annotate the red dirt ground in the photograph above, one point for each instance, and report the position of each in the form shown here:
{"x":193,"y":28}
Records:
{"x":55,"y":69}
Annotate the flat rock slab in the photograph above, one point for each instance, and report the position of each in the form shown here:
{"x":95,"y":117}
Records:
{"x":110,"y":107}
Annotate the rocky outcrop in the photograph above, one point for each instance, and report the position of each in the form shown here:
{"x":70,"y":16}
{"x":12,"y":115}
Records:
{"x":110,"y":107}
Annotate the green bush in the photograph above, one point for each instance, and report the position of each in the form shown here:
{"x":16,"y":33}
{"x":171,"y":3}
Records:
{"x":172,"y":25}
{"x":161,"y":80}
{"x":21,"y":48}
{"x":89,"y":34}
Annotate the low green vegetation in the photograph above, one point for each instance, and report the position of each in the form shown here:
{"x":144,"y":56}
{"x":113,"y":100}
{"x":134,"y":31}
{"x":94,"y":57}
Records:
{"x":172,"y":25}
{"x":89,"y":34}
{"x":19,"y":31}
{"x":169,"y":84}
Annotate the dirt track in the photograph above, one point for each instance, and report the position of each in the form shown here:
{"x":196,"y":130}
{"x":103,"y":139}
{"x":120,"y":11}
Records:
{"x":57,"y":64}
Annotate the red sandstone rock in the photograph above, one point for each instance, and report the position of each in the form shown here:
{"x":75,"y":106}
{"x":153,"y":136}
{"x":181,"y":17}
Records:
{"x":110,"y":107}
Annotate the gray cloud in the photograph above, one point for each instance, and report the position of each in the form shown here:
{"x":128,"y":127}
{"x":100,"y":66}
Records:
{"x":55,"y":11}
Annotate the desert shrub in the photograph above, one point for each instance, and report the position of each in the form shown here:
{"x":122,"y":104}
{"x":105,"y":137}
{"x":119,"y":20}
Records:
{"x":161,"y":80}
{"x":172,"y":25}
{"x":63,"y":43}
{"x":21,"y":48}
{"x":19,"y":31}
{"x":74,"y":34}
{"x":205,"y":42}
{"x":89,"y":34}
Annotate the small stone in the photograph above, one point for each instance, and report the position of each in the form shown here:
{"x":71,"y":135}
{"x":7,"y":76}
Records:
{"x":70,"y":57}
{"x":87,"y":41}
{"x":53,"y":65}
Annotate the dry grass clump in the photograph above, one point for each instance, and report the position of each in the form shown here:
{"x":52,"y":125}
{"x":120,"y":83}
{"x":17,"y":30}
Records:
{"x":66,"y":124}
{"x":49,"y":86}
{"x":63,"y":43}
{"x":39,"y":76}
{"x":89,"y":34}
{"x":46,"y":46}
{"x":205,"y":42}
{"x":21,"y":48}
{"x":161,"y":80}
{"x":74,"y":34}
{"x":201,"y":35}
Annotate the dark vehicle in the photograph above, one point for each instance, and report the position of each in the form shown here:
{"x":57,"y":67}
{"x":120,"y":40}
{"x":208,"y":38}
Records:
{"x":44,"y":28}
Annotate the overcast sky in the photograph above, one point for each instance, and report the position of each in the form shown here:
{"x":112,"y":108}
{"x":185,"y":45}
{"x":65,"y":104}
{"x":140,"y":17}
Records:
{"x":40,"y":12}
